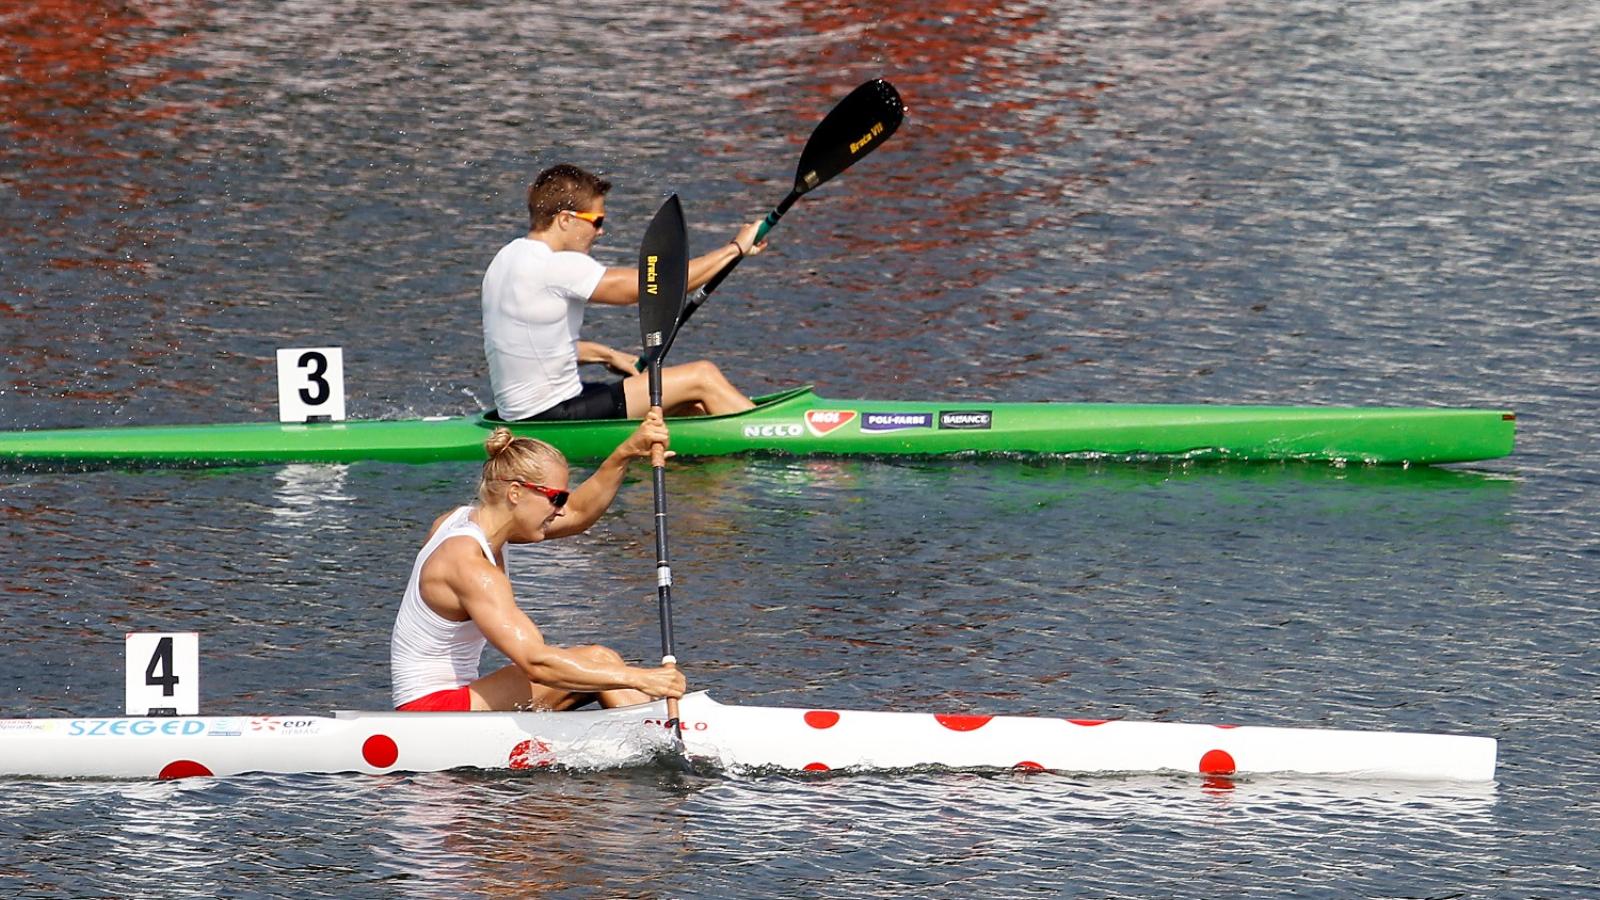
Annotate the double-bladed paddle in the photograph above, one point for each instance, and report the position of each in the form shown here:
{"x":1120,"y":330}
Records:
{"x":663,"y":282}
{"x":855,"y":127}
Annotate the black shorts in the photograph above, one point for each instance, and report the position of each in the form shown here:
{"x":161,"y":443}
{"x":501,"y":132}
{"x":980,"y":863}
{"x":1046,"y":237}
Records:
{"x":599,"y":400}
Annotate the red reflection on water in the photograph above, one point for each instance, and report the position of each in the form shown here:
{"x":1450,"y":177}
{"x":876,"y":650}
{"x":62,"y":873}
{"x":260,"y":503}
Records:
{"x":976,"y":96}
{"x":991,"y":88}
{"x":80,"y":71}
{"x":81,"y":120}
{"x":81,"y":75}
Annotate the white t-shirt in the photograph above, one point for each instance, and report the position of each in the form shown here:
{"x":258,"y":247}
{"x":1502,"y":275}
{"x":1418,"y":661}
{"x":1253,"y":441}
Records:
{"x":533,"y":301}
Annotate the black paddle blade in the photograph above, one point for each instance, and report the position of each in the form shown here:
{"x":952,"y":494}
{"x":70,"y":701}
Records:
{"x":663,"y":277}
{"x":855,"y":127}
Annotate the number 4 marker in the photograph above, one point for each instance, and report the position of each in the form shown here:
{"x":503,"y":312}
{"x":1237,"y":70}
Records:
{"x":163,"y":674}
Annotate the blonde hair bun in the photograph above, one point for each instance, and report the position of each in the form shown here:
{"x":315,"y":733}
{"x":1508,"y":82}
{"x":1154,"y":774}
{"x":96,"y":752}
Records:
{"x":498,"y":441}
{"x":513,"y":458}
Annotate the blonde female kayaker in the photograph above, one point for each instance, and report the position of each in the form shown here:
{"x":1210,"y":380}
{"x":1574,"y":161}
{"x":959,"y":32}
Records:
{"x":460,"y":597}
{"x":534,"y":295}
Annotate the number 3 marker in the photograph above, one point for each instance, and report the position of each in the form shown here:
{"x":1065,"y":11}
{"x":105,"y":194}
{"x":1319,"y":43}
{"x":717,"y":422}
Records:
{"x":311,"y":385}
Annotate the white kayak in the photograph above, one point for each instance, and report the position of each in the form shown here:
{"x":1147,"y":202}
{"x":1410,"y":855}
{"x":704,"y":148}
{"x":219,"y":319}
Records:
{"x":734,"y":738}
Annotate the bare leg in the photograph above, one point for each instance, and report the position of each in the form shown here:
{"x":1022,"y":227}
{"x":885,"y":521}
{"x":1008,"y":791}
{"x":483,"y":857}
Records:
{"x":688,"y":409}
{"x":682,"y":387}
{"x":509,"y":689}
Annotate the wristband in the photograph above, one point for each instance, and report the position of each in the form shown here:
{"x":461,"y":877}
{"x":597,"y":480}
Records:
{"x":737,"y":249}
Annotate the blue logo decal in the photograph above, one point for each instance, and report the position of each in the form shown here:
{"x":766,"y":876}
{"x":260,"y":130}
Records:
{"x":134,"y":727}
{"x":885,"y":421}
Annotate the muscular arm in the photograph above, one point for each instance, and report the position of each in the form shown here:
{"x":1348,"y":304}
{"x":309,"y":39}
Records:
{"x":485,"y":594}
{"x":594,"y":496}
{"x":620,"y":286}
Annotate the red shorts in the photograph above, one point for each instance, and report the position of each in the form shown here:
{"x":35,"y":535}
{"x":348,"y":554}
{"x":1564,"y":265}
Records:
{"x":448,"y":700}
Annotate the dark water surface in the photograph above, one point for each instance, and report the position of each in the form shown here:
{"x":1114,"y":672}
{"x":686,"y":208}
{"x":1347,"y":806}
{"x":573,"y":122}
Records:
{"x":1291,"y":202}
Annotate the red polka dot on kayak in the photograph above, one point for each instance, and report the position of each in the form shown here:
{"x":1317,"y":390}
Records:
{"x":963,"y":723}
{"x":816,"y":767}
{"x":822,"y":718}
{"x":1087,"y":723}
{"x":531,"y":754}
{"x":380,"y":751}
{"x":183,"y":768}
{"x":1030,"y":766}
{"x":1217,"y":762}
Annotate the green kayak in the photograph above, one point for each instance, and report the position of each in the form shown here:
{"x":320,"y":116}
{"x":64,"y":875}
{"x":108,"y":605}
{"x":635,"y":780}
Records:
{"x":797,"y":421}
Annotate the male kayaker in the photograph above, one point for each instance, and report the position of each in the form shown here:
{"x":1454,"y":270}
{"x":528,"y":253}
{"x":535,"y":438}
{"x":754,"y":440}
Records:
{"x":460,"y":597}
{"x":534,"y":294}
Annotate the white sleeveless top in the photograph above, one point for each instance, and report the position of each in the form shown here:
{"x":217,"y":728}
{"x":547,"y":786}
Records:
{"x":533,"y":302}
{"x":428,"y":652}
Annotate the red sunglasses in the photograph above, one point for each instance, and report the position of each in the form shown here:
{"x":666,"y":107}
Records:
{"x":557,"y":498}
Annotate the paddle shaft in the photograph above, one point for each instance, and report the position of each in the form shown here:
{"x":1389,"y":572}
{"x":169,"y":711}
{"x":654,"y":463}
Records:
{"x":658,"y":481}
{"x":663,"y":281}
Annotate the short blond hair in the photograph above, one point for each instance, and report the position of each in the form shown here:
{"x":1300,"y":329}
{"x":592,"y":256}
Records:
{"x":513,"y":458}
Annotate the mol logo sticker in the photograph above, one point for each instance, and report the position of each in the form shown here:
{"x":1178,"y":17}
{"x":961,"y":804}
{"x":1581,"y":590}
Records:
{"x":884,"y":421}
{"x":822,"y":421}
{"x":966,"y":418}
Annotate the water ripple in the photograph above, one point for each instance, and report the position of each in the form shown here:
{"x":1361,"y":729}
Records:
{"x":1303,"y":202}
